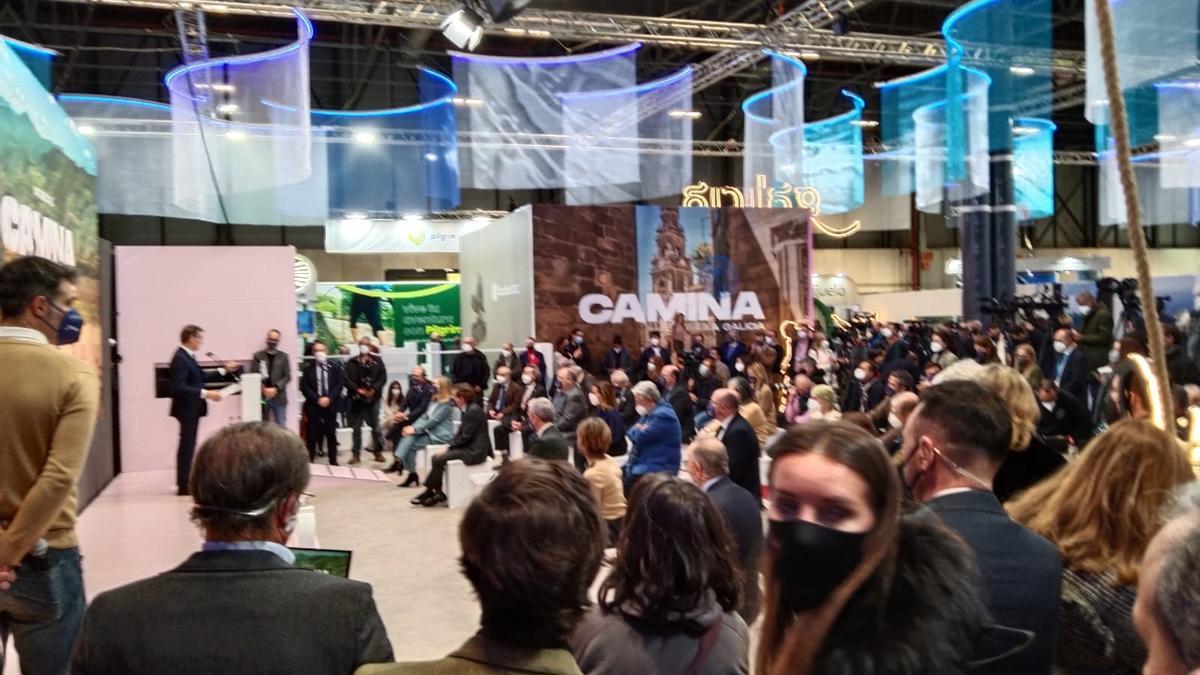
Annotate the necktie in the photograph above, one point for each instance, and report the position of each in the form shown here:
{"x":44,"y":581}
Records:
{"x":500,"y":399}
{"x":864,"y":398}
{"x":1062,"y":361}
{"x":321,"y":380}
{"x":721,"y":432}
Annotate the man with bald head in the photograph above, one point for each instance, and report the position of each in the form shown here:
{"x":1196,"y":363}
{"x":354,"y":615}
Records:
{"x":1167,"y":611}
{"x":676,"y":391}
{"x":739,"y":440}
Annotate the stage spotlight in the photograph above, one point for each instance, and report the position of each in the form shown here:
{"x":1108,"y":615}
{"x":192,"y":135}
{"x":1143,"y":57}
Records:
{"x":503,"y":10}
{"x":464,"y":28}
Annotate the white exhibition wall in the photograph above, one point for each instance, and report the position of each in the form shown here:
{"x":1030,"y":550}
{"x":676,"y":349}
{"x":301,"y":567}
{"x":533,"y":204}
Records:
{"x":496,"y":263}
{"x":235,"y":293}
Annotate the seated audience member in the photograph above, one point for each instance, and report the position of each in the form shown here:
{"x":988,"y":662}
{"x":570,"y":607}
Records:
{"x":531,"y":357}
{"x":625,"y":403}
{"x":1026,"y":363}
{"x":470,"y":444}
{"x":531,"y":388}
{"x":901,"y":406}
{"x":1062,"y":415}
{"x":720,"y":368}
{"x":764,"y":394}
{"x":704,"y":385}
{"x":931,"y":371}
{"x":507,"y":359}
{"x":954,"y":443}
{"x":798,"y":397}
{"x":247,"y":483}
{"x":416,"y":400}
{"x":605,"y":403}
{"x":1101,"y":511}
{"x":822,"y":405}
{"x":676,"y":392}
{"x":434,"y":427}
{"x":505,"y":397}
{"x":570,"y":407}
{"x":939,"y":347}
{"x":617,"y":357}
{"x":866,"y":391}
{"x":390,"y":409}
{"x":1167,"y":611}
{"x":749,"y":408}
{"x":546,"y":441}
{"x":1030,"y":460}
{"x":656,"y":437}
{"x":532,"y":543}
{"x":898,"y":382}
{"x":842,"y":559}
{"x":709,"y":468}
{"x":668,"y":606}
{"x":603,"y":474}
{"x":655,"y":353}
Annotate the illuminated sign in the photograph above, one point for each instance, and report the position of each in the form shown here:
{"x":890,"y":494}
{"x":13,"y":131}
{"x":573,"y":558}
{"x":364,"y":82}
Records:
{"x":765,"y":196}
{"x":599,"y":309}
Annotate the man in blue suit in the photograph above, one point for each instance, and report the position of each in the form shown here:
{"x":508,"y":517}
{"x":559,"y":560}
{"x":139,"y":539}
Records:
{"x":189,"y":398}
{"x":322,"y":384}
{"x":656,"y":437}
{"x":1070,"y":367}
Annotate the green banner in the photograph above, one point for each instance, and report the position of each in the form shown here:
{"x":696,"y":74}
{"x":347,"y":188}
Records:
{"x":395,"y":313}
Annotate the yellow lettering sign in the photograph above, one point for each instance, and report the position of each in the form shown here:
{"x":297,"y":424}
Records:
{"x":766,"y":196}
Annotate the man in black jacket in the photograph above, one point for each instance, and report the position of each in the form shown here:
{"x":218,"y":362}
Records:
{"x":680,"y":400}
{"x":954,"y":443}
{"x":1180,"y":367}
{"x":1068,"y":366}
{"x":470,"y":367}
{"x":618,"y":357}
{"x":366,"y":376}
{"x":1062,"y":414}
{"x":740,"y":442}
{"x":622,"y":389}
{"x":189,"y":398}
{"x":709,"y":469}
{"x":247,"y":485}
{"x":545,"y":441}
{"x":470,"y":444}
{"x":321,"y":385}
{"x":865,"y":392}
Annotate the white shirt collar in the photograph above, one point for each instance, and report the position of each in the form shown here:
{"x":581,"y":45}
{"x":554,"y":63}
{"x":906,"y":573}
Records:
{"x":23,"y":334}
{"x":950,"y":491}
{"x":710,"y":482}
{"x":725,"y":422}
{"x":284,"y":553}
{"x":190,"y":352}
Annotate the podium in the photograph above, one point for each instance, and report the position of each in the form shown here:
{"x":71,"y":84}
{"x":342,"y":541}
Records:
{"x":251,"y":398}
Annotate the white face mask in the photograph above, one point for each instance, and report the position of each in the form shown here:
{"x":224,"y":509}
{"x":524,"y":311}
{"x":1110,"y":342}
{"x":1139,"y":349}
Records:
{"x":594,"y":400}
{"x":740,"y":367}
{"x":654,"y":342}
{"x":508,"y":353}
{"x":527,"y":379}
{"x":1060,"y":346}
{"x":1114,"y":356}
{"x":641,"y":410}
{"x":825,"y":344}
{"x":814,"y":405}
{"x":1050,"y":405}
{"x":803,"y":335}
{"x":501,"y":379}
{"x":936,"y":347}
{"x":650,"y":368}
{"x":860,"y":374}
{"x":703,"y":370}
{"x":895,"y":421}
{"x":468,"y":348}
{"x":1086,"y":309}
{"x":364,"y":349}
{"x":886,"y":333}
{"x":320,"y":356}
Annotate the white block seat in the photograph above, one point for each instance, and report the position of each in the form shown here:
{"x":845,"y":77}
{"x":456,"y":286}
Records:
{"x":464,"y":482}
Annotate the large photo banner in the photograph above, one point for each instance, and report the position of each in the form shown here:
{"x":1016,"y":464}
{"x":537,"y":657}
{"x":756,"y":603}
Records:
{"x":629,"y":271}
{"x":393,"y":312}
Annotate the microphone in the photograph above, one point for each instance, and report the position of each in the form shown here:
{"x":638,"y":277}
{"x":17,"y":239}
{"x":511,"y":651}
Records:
{"x":236,"y":376}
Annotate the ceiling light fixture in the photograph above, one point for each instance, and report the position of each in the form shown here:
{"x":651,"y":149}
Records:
{"x":412,"y":217}
{"x":686,"y":114}
{"x":235,"y":135}
{"x":503,"y":10}
{"x":464,"y":28}
{"x":221,"y":86}
{"x":809,"y":55}
{"x":227,"y":108}
{"x":85,"y":129}
{"x":430,"y":157}
{"x":866,"y":124}
{"x":356,"y":215}
{"x":365,"y":137}
{"x":1021,"y":71}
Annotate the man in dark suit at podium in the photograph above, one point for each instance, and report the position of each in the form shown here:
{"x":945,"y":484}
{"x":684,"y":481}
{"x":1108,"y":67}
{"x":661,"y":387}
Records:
{"x":189,"y":398}
{"x":322,"y":384}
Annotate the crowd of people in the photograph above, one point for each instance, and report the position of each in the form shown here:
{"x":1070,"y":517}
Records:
{"x":927,"y":510}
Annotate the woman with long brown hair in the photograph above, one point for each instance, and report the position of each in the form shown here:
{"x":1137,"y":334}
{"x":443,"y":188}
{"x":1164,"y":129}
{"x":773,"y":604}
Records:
{"x":854,"y":586}
{"x":1101,"y":511}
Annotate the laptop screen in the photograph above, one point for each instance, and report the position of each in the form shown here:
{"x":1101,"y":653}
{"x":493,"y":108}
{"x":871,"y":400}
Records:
{"x":324,"y":560}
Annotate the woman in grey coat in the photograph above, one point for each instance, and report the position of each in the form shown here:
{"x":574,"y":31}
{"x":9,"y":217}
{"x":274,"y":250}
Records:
{"x":669,"y":605}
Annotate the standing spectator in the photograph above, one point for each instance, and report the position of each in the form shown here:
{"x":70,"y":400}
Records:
{"x":719,"y":368}
{"x":797,"y":404}
{"x":470,"y":366}
{"x":546,"y":441}
{"x":603,"y":475}
{"x":507,"y":359}
{"x":189,"y":398}
{"x":898,"y":382}
{"x":656,"y":437}
{"x":749,"y":409}
{"x":1168,"y":597}
{"x":531,"y":596}
{"x":1097,"y":330}
{"x":843,"y":558}
{"x":1026,"y":363}
{"x":276,"y":369}
{"x":1101,"y":512}
{"x":617,"y":357}
{"x":865,"y":392}
{"x":322,"y":384}
{"x":366,"y":377}
{"x":676,"y":391}
{"x":48,"y":405}
{"x":894,"y":345}
{"x":580,"y":354}
{"x":470,"y":444}
{"x":939,"y":347}
{"x":740,"y":441}
{"x":1030,"y":460}
{"x":703,"y":387}
{"x":671,"y":597}
{"x":900,"y":408}
{"x":709,"y":468}
{"x":604,"y":401}
{"x":1062,"y":415}
{"x":1070,"y":369}
{"x":532,"y":357}
{"x":656,"y":350}
{"x":731,"y":349}
{"x":1180,"y":367}
{"x":695,"y":355}
{"x":435,"y":426}
{"x":248,"y":484}
{"x":570,"y":408}
{"x":954,"y":443}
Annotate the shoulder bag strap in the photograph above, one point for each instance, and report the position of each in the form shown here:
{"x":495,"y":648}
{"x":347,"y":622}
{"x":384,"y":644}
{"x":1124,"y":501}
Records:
{"x":707,"y":642}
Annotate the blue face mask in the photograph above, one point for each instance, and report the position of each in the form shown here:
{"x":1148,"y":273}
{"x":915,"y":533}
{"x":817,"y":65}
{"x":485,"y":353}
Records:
{"x":69,"y":328}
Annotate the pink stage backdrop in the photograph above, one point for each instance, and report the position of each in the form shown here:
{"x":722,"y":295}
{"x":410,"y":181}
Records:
{"x":236,"y":294}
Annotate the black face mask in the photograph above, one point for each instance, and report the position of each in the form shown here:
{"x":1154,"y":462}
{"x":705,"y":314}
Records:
{"x":272,"y":345}
{"x":812,"y":560}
